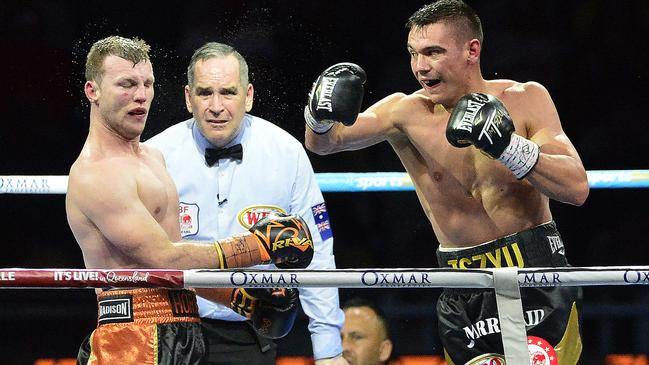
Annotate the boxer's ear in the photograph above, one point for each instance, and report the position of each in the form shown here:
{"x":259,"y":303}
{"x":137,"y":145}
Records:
{"x":250,"y":92}
{"x":92,"y":91}
{"x":385,"y":350}
{"x":188,"y":101}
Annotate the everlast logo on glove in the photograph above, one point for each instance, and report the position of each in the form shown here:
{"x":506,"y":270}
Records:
{"x":480,"y":120}
{"x":326,"y":90}
{"x":469,"y":116}
{"x":483,"y":121}
{"x":336,"y":96}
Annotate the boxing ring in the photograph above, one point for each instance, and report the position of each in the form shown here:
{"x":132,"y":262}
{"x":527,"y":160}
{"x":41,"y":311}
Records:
{"x":505,"y":281}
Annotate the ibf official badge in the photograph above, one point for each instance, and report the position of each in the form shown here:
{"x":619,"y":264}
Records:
{"x":188,"y":219}
{"x":249,"y":216}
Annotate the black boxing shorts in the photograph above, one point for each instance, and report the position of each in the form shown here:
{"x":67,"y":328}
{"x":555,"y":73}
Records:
{"x":145,"y":327}
{"x":468,"y":318}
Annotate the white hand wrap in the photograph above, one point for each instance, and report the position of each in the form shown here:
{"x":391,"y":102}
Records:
{"x":520,"y":156}
{"x":316,"y":126}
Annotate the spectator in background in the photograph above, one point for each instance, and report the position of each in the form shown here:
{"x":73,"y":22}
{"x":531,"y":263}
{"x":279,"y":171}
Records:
{"x":365,"y":334}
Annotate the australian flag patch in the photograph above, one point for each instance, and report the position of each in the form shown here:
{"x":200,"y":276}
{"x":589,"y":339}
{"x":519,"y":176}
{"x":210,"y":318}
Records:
{"x":321,"y":217}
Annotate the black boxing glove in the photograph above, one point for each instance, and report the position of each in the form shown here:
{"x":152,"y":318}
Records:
{"x":483,"y":121}
{"x":284,"y":240}
{"x":336,"y":96}
{"x":272,"y":311}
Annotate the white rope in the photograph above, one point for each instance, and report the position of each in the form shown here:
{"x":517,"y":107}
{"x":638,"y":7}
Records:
{"x":28,"y":184}
{"x":345,"y":278}
{"x":418,"y":278}
{"x":331,"y":182}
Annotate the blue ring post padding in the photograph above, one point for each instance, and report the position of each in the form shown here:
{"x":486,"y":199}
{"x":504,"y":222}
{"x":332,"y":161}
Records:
{"x":367,"y":181}
{"x":615,"y":179}
{"x":400,"y":181}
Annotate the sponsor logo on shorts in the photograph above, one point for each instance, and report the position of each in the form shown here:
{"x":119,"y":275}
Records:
{"x":188,"y":219}
{"x":491,"y":325}
{"x":556,"y":245}
{"x":541,"y":352}
{"x":507,"y":256}
{"x":116,"y":309}
{"x":183,"y":303}
{"x":249,"y":216}
{"x":487,"y":359}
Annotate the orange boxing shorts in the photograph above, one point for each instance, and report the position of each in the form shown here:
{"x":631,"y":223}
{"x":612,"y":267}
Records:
{"x":145,"y":327}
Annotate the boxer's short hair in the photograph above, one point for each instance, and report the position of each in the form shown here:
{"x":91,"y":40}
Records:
{"x":455,"y":12}
{"x":133,"y":49}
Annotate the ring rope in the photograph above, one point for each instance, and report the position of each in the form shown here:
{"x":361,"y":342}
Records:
{"x":331,"y":181}
{"x":341,"y":278}
{"x":510,"y":315}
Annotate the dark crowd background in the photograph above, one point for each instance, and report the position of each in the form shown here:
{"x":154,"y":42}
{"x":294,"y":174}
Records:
{"x":591,"y":55}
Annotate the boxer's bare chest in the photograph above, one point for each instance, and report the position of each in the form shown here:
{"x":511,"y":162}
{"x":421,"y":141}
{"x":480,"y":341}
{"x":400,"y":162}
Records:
{"x":157,"y":192}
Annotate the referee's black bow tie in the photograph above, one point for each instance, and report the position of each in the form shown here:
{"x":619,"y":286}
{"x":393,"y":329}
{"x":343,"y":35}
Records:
{"x":212,"y":155}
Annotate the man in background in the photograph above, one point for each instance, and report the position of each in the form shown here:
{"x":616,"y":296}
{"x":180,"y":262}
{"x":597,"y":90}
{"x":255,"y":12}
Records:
{"x":366,"y":334}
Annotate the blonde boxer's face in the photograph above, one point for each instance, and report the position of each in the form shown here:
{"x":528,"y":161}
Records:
{"x":363,"y":338}
{"x":123,"y":95}
{"x":217,"y":99}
